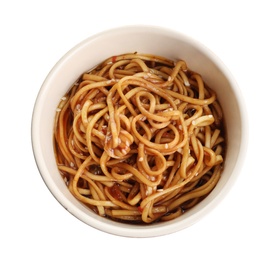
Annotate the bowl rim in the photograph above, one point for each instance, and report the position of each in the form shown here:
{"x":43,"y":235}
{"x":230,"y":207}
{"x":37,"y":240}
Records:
{"x":109,"y":226}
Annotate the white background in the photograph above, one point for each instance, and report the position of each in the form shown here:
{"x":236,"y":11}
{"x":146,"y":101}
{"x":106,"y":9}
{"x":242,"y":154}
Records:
{"x":35,"y":34}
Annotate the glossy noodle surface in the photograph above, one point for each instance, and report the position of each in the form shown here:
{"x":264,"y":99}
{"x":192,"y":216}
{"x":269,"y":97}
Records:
{"x":140,"y":138}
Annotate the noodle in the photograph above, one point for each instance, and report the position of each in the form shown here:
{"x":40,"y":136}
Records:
{"x":140,"y":139}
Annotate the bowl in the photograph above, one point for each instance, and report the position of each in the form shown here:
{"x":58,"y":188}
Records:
{"x":143,"y":39}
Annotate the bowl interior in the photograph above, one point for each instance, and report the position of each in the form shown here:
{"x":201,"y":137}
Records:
{"x":142,"y":39}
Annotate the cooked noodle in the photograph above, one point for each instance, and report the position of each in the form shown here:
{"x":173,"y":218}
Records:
{"x":140,"y":138}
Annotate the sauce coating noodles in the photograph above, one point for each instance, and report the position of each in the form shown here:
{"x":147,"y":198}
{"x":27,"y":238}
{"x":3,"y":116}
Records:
{"x":140,"y":138}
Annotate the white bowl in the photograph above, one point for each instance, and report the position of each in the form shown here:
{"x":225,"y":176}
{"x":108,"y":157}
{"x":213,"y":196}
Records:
{"x":144,"y":39}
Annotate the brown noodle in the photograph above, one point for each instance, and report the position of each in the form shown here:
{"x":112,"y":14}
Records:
{"x":140,"y":138}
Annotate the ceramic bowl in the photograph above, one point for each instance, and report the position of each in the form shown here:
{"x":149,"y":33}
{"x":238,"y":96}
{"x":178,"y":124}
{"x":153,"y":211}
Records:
{"x":144,"y":39}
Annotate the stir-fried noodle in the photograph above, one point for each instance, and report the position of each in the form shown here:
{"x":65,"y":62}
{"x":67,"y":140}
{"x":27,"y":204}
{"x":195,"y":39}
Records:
{"x":140,"y":138}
